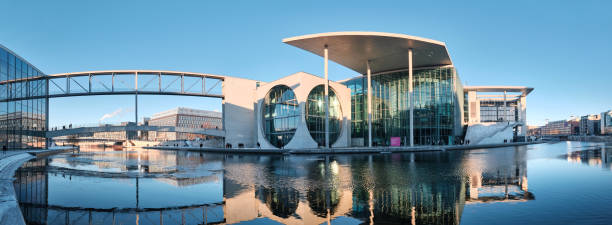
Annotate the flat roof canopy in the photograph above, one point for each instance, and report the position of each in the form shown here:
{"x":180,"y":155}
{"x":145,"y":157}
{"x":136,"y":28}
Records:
{"x":386,"y":51}
{"x":521,"y":89}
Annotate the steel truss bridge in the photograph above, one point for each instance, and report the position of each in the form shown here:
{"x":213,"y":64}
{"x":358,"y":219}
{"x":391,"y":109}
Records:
{"x":114,"y":82}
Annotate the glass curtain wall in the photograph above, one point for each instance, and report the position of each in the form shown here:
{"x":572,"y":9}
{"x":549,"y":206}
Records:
{"x":22,"y":120}
{"x":315,"y":115}
{"x":495,"y":111}
{"x":281,"y":114}
{"x":437,"y":107}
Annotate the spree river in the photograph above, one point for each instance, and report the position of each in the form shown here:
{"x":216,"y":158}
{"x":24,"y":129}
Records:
{"x":559,"y":183}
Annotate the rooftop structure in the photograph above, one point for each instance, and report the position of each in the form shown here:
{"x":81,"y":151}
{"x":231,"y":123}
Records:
{"x":385,"y":51}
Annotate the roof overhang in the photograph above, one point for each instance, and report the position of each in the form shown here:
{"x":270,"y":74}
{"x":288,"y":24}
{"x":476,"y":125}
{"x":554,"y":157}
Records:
{"x":385,"y":51}
{"x":522,"y":89}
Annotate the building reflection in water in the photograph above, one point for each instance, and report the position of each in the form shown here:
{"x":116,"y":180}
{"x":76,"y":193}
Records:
{"x":416,"y":188}
{"x":31,"y":185}
{"x":497,"y":176}
{"x":152,"y":198}
{"x":595,"y":155}
{"x":423,"y":188}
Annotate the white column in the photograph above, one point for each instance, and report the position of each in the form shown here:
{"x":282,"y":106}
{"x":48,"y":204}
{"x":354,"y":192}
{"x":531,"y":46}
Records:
{"x":136,"y":98}
{"x":326,"y":100}
{"x":505,"y":112}
{"x":47,"y":128}
{"x":410,"y":97}
{"x":524,"y":114}
{"x":369,"y":104}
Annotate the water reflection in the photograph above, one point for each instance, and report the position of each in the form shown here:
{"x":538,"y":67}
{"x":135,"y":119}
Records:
{"x":597,"y":155}
{"x":155,"y":187}
{"x":131,"y":187}
{"x":497,"y":176}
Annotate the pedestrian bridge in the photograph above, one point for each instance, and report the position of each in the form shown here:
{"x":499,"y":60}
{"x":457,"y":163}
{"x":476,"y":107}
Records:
{"x":113,"y":82}
{"x":108,"y":128}
{"x":110,"y":82}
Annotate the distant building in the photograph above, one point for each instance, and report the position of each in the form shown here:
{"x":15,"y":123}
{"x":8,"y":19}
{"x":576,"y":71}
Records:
{"x":144,"y":135}
{"x":605,"y":123}
{"x":556,"y":128}
{"x":184,"y":117}
{"x":117,"y":135}
{"x":534,"y":131}
{"x":589,"y":125}
{"x":574,"y":125}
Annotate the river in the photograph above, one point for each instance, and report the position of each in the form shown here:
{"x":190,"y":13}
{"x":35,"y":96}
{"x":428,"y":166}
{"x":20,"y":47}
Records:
{"x":558,"y":183}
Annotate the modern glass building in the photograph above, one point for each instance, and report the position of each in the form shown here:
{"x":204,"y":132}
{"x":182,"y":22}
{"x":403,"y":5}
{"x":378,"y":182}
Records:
{"x":396,"y":67}
{"x":407,"y":93}
{"x":438,"y":96}
{"x":22,"y":120}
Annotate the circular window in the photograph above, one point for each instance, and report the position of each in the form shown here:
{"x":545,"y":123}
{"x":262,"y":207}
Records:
{"x":281,"y":114}
{"x":315,"y":115}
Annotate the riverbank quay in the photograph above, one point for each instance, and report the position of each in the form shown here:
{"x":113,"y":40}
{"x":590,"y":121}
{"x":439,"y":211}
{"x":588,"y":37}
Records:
{"x":469,"y":147}
{"x":603,"y":139}
{"x":351,"y":150}
{"x":10,"y":161}
{"x":298,"y":151}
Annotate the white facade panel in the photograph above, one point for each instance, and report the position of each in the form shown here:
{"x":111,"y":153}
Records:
{"x":238,"y":112}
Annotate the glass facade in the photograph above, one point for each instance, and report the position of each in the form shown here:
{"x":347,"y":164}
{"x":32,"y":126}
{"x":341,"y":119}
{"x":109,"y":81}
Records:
{"x":495,"y":111}
{"x":281,"y":114}
{"x":438,"y":100}
{"x":315,"y":115}
{"x":22,"y":119}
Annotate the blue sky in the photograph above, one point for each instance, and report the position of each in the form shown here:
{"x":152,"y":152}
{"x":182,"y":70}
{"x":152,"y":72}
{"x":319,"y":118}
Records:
{"x":561,"y":48}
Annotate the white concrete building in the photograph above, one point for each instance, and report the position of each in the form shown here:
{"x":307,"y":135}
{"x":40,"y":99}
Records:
{"x":409,"y":93}
{"x":299,"y":123}
{"x":495,"y":114}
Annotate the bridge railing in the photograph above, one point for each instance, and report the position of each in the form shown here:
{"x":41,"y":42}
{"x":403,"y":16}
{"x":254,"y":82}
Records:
{"x":80,"y":125}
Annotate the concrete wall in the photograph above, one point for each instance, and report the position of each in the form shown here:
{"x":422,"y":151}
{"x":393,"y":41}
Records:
{"x":302,"y":83}
{"x":489,"y":133}
{"x":473,"y":108}
{"x":523,"y":115}
{"x":238,"y":111}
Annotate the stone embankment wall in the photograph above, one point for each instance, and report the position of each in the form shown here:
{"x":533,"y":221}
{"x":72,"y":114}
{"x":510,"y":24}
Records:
{"x":591,"y":138}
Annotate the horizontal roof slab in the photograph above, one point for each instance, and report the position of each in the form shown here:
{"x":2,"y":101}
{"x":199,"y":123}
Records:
{"x":385,"y":51}
{"x":521,"y":89}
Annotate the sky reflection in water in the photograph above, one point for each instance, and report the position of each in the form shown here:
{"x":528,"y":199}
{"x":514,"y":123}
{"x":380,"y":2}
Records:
{"x":566,"y":182}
